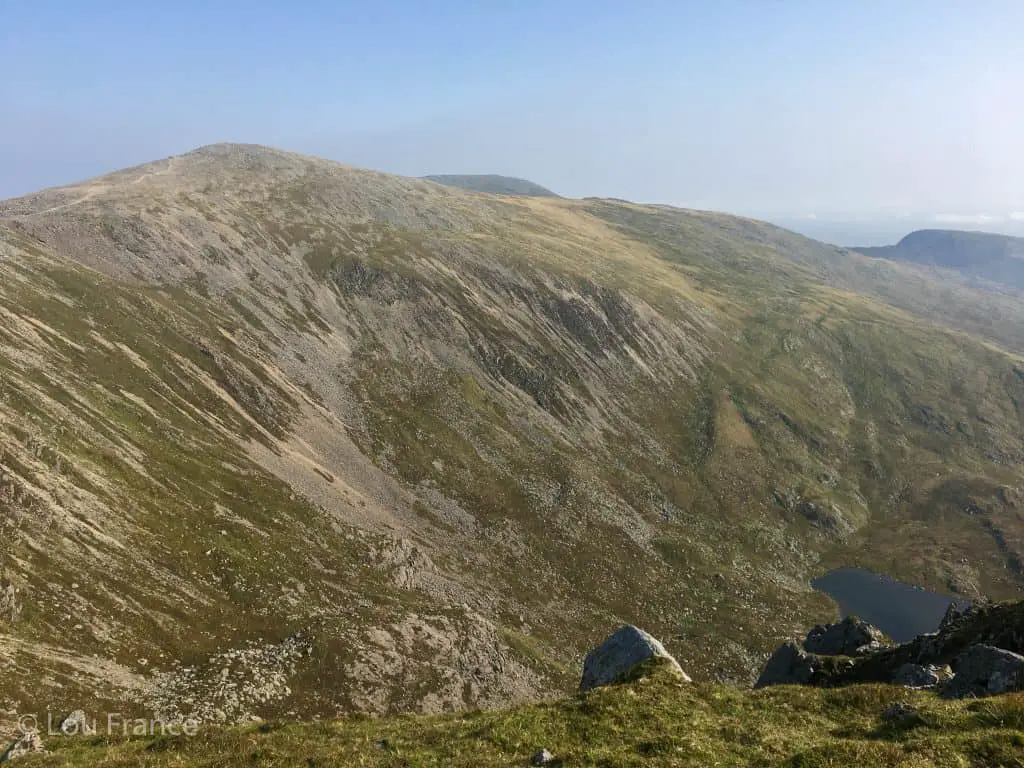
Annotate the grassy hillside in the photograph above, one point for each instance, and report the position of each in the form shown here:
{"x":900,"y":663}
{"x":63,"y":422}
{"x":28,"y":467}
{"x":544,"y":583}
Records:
{"x":655,"y":721}
{"x":396,"y":446}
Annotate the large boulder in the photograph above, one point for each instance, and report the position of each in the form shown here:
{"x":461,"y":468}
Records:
{"x":849,"y":637}
{"x":984,"y":670}
{"x":625,"y":650}
{"x":789,"y":665}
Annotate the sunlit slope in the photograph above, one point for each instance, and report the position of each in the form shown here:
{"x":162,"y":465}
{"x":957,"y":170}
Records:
{"x":451,"y":438}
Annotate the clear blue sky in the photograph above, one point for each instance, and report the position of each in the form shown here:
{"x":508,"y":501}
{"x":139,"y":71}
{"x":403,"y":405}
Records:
{"x":769,"y":107}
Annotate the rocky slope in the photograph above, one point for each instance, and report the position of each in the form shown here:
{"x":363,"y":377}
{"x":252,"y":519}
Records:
{"x":284,"y":437}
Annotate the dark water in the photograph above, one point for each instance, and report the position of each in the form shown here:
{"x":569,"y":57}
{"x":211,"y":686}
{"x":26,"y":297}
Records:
{"x":901,"y":610}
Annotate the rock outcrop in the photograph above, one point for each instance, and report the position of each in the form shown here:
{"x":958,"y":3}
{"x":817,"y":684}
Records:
{"x":957,"y":612}
{"x":977,"y":651}
{"x":813,"y":663}
{"x":849,"y":637}
{"x":984,"y":670}
{"x":625,"y":650}
{"x":28,"y":743}
{"x":789,"y":665}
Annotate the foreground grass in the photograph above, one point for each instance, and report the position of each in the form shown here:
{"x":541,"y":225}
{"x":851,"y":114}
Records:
{"x":655,"y":721}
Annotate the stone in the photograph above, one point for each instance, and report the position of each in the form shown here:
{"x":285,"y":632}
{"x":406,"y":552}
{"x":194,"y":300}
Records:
{"x":621,"y":653}
{"x":789,"y":665}
{"x":901,"y":714}
{"x":984,"y":670}
{"x":542,"y":757}
{"x":921,"y":675}
{"x":844,"y":638}
{"x":76,"y":724}
{"x":30,"y":742}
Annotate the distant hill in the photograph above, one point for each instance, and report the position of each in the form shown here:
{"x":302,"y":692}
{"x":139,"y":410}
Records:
{"x":496,"y":185}
{"x":992,"y":257}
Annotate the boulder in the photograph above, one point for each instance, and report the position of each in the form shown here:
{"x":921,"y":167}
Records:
{"x":846,"y":638}
{"x":901,"y":715}
{"x":921,"y":675}
{"x":627,"y":648}
{"x":984,"y":670}
{"x":789,"y":665}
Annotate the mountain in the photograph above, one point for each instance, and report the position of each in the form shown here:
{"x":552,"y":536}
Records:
{"x":497,"y":185}
{"x":989,"y":257}
{"x":283,"y":437}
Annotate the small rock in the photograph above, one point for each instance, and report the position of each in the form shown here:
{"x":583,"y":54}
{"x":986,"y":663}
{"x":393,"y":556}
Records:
{"x":901,"y":714}
{"x":382,"y":744}
{"x":984,"y":670}
{"x":623,"y":651}
{"x":844,"y":638}
{"x":789,"y":665}
{"x":542,"y":757}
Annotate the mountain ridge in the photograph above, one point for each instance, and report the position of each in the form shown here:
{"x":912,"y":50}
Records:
{"x":445,"y":439}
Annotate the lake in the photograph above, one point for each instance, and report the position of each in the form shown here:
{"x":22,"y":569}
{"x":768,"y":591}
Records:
{"x":901,"y":610}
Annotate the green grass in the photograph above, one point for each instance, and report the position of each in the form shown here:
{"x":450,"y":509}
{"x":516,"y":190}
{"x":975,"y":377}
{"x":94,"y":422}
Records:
{"x":654,"y":721}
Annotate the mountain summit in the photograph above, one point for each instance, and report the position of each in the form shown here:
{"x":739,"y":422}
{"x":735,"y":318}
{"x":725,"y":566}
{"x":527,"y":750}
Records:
{"x":283,"y":436}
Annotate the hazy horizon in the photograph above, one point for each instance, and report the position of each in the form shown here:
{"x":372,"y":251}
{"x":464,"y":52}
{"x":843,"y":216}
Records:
{"x":821,"y":116}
